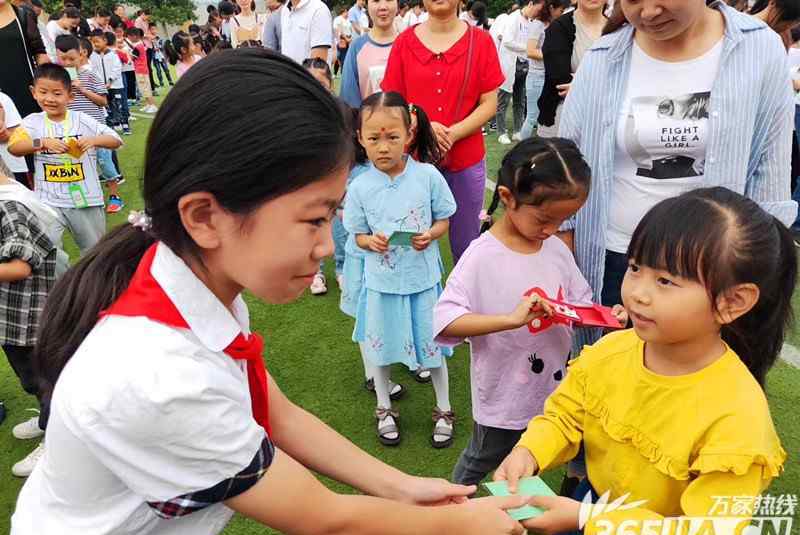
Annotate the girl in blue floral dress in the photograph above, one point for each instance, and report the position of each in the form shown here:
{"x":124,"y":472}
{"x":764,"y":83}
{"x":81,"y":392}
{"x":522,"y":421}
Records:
{"x":402,"y":272}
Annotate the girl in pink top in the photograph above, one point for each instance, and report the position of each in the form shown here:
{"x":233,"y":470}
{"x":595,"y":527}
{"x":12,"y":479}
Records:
{"x":182,"y":52}
{"x":541,"y":183}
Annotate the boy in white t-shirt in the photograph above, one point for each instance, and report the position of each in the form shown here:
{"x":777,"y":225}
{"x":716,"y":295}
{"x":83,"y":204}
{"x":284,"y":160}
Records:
{"x":64,"y":144}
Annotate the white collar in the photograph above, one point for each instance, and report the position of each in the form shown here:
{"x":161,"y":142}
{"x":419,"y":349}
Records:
{"x":213,"y":324}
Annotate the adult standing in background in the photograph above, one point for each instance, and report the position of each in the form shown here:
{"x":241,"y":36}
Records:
{"x":566,"y":41}
{"x":451,"y":70}
{"x":534,"y":83}
{"x":306,"y":30}
{"x":272,"y":28}
{"x":342,"y":36}
{"x":246,"y":29}
{"x":660,"y":106}
{"x":22,"y":49}
{"x":119,"y":16}
{"x":358,"y":17}
{"x":514,"y":61}
{"x":365,"y":65}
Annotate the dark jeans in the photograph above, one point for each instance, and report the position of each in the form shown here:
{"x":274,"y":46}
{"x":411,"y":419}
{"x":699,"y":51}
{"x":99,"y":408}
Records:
{"x":487,"y":448}
{"x":20,"y":359}
{"x":504,"y":97}
{"x":616,"y":266}
{"x":161,"y":65}
{"x":118,"y":112}
{"x":150,"y":55}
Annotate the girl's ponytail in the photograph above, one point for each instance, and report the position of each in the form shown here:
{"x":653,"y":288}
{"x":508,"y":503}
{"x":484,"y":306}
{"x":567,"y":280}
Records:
{"x":174,"y":47}
{"x":489,"y":211}
{"x":757,"y":337}
{"x":425,"y":144}
{"x":74,"y":305}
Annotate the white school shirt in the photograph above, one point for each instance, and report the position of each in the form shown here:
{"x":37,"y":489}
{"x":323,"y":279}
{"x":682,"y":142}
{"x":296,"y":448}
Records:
{"x":55,"y":173}
{"x":161,"y":414}
{"x":305,"y":26}
{"x":15,"y":164}
{"x":661,"y":139}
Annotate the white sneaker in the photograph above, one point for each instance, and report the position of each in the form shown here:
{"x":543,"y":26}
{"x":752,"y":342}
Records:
{"x":150,"y":109}
{"x":318,"y":285}
{"x":28,"y":429}
{"x":26,"y":465}
{"x":517,"y":136}
{"x":504,"y":140}
{"x":340,"y":280}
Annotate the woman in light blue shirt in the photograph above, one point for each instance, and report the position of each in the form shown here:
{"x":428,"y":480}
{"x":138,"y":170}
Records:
{"x":677,"y":96}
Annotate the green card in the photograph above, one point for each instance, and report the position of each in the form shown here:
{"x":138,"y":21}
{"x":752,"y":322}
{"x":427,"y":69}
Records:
{"x":402,"y":238}
{"x":527,"y":486}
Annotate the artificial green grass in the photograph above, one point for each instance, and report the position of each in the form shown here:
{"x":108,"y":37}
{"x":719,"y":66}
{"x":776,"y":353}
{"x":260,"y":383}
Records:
{"x":310,"y":355}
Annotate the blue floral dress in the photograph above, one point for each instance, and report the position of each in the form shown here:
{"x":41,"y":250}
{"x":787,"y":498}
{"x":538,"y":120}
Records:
{"x":394,"y":312}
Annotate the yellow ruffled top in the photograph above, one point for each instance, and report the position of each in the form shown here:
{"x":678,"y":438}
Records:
{"x":675,"y":441}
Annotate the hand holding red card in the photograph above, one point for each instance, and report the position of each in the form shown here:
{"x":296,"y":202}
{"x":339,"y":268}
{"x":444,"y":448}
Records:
{"x":566,"y":314}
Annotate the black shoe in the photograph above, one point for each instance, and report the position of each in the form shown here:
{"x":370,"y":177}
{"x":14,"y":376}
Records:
{"x":396,"y":393}
{"x":2,"y":412}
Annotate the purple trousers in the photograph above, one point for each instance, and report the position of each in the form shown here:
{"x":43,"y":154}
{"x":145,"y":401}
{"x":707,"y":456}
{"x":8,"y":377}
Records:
{"x":468,"y":187}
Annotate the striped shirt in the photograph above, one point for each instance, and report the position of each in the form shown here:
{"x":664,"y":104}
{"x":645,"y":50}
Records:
{"x":748,"y":150}
{"x":80,"y":102}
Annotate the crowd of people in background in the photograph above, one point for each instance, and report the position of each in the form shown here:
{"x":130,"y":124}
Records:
{"x":619,"y":119}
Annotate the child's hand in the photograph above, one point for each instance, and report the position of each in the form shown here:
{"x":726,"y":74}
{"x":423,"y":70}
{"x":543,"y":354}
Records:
{"x":85,"y":143}
{"x":420,"y":242}
{"x":76,"y":84}
{"x":621,"y":314}
{"x":530,"y":308}
{"x":54,"y":146}
{"x":378,"y":243}
{"x":518,"y":464}
{"x":561,"y":515}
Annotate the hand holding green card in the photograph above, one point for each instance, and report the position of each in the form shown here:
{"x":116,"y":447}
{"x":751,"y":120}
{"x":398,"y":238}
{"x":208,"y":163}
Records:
{"x":402,"y":238}
{"x":527,"y":486}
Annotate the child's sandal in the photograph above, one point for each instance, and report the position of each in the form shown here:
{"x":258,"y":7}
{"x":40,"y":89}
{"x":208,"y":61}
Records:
{"x":387,"y":429}
{"x":442,"y":430}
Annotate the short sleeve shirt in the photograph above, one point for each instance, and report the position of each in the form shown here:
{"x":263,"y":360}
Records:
{"x":511,"y":372}
{"x":15,"y":164}
{"x":409,"y":203}
{"x":434,"y":81}
{"x":141,"y":451}
{"x":54,"y":174}
{"x":306,"y":26}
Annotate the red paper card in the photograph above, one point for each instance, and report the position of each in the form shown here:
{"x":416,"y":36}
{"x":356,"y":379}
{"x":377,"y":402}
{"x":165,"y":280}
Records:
{"x":566,"y":314}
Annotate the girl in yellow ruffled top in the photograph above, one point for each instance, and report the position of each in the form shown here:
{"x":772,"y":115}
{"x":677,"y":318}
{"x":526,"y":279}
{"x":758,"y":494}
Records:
{"x":673,"y":412}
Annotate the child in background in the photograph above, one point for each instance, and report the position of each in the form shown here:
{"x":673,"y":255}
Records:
{"x":182,"y":52}
{"x":139,"y":51}
{"x":541,"y":183}
{"x":673,"y":412}
{"x":89,"y":97}
{"x":107,"y":66}
{"x":321,"y":72}
{"x":351,"y":280}
{"x":28,"y":259}
{"x":401,"y":281}
{"x":126,"y":58}
{"x":159,"y":61}
{"x":63,"y":143}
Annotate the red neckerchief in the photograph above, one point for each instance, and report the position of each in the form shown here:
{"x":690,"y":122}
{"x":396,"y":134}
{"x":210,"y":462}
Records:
{"x":145,"y":297}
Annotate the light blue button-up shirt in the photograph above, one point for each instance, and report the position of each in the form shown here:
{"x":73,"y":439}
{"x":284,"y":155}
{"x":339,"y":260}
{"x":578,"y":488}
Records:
{"x":410,"y":203}
{"x":750,"y":126}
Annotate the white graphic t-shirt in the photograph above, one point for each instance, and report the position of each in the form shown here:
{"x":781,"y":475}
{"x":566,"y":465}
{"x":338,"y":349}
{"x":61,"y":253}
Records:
{"x":62,"y":180}
{"x":661,"y":137}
